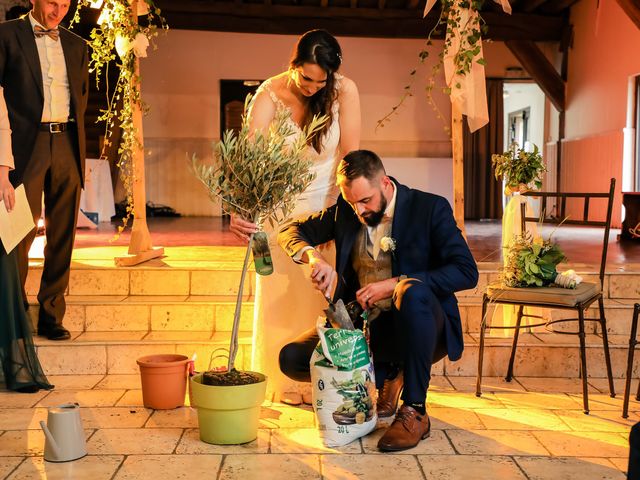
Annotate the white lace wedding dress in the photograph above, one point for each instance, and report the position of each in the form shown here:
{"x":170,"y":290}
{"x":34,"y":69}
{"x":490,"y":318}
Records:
{"x":286,"y":304}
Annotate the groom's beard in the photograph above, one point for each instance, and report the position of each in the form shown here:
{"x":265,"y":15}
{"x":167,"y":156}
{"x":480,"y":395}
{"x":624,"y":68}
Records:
{"x":374,"y":218}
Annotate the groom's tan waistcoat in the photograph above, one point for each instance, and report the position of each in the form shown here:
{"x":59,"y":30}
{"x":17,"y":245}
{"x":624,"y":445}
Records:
{"x":368,"y":269}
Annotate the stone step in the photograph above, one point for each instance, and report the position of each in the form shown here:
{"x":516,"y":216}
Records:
{"x":539,"y":354}
{"x":543,"y":355}
{"x":120,"y":313}
{"x":221,"y":278}
{"x":116,"y":352}
{"x":618,"y":313}
{"x":215,"y":314}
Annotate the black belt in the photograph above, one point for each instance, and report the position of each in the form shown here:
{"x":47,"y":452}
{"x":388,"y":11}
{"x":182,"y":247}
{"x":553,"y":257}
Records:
{"x":55,"y":127}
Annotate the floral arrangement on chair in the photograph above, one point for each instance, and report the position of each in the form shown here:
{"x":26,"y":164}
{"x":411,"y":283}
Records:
{"x":533,"y":263}
{"x":520,"y":169}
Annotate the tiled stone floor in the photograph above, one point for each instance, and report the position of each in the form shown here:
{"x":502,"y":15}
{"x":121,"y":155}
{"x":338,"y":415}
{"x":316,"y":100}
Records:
{"x":530,"y":429}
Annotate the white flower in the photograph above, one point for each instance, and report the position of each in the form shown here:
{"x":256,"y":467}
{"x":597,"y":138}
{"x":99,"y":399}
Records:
{"x":139,"y":45}
{"x":387,"y":244}
{"x":123,"y":45}
{"x":568,"y":279}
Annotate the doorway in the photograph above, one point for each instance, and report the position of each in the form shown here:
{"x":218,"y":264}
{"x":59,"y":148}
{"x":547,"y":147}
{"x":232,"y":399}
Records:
{"x":232,"y":96}
{"x":523,"y":115}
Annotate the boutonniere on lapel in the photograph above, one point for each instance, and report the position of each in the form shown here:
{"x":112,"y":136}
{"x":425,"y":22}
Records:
{"x":388,"y":244}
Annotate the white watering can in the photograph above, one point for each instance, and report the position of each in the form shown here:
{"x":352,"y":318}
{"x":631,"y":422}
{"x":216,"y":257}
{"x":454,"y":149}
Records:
{"x":64,"y":435}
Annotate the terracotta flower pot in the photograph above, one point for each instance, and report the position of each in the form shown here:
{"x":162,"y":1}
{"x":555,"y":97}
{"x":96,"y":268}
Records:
{"x":164,"y":380}
{"x":228,"y":415}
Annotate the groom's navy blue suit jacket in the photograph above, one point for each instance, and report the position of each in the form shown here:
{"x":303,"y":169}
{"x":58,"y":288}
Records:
{"x":429,"y":247}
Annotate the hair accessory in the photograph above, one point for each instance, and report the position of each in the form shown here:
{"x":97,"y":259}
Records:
{"x":339,"y":57}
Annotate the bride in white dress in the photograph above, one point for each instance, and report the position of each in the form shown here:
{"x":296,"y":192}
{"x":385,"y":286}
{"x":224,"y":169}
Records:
{"x":286,"y":303}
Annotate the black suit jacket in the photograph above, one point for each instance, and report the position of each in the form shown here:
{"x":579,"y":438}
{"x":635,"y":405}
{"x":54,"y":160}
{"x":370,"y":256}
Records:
{"x":21,"y":78}
{"x":429,"y":246}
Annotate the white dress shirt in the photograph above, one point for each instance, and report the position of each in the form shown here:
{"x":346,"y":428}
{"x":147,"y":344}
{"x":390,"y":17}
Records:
{"x":55,"y":81}
{"x":383,"y":229}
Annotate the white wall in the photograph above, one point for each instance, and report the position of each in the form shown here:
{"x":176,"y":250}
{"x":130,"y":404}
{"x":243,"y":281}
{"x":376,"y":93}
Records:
{"x":180,"y":83}
{"x":521,"y":96}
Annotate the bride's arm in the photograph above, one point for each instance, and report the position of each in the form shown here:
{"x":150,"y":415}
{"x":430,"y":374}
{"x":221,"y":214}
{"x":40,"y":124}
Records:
{"x":350,"y":120}
{"x":261,"y":113}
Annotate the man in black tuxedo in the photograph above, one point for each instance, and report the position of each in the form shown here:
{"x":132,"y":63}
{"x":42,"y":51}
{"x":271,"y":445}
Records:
{"x":44,"y":79}
{"x":400,"y":255}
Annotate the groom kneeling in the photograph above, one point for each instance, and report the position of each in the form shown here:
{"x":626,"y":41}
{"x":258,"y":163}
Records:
{"x":400,"y":255}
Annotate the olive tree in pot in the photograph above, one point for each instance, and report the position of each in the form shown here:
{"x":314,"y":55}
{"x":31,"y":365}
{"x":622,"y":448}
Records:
{"x":257,"y":175}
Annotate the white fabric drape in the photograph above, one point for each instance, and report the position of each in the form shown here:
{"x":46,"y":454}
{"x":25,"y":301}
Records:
{"x":470,"y":97}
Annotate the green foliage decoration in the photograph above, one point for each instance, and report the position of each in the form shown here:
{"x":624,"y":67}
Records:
{"x":518,"y":167}
{"x":468,"y":52}
{"x":531,"y":263}
{"x":117,"y":26}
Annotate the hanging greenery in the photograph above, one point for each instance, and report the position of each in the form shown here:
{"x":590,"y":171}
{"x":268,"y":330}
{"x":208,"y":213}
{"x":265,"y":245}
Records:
{"x":119,"y":37}
{"x":463,"y":53}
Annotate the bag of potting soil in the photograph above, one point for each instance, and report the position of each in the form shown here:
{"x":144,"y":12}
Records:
{"x":343,"y":385}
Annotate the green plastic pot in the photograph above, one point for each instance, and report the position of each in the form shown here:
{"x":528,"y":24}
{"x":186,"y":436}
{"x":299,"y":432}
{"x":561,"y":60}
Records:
{"x":228,"y":415}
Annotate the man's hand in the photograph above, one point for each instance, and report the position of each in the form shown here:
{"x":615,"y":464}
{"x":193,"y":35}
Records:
{"x":242,"y":228}
{"x":7,"y":193}
{"x":376,"y":291}
{"x":323,"y":275}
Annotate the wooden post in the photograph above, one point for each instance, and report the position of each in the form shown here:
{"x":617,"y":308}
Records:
{"x":458,"y":167}
{"x":140,"y":246}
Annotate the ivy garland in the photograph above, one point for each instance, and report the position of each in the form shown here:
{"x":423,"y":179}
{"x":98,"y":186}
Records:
{"x":120,"y":38}
{"x":468,"y":51}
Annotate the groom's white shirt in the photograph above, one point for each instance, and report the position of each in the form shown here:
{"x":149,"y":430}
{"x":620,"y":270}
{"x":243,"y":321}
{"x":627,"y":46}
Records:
{"x":384,"y":227}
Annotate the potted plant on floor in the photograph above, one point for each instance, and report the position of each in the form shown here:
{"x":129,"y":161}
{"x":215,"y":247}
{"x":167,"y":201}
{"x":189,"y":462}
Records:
{"x":257,"y":175}
{"x":520,"y":170}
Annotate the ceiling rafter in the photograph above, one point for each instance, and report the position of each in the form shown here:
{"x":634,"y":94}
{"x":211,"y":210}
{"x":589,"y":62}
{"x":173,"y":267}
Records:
{"x":541,"y":70}
{"x":345,"y":21}
{"x":632,"y":9}
{"x":528,"y":6}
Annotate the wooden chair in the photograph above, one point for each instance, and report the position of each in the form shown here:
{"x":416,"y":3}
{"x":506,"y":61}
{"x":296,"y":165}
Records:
{"x":632,"y":346}
{"x":578,"y":299}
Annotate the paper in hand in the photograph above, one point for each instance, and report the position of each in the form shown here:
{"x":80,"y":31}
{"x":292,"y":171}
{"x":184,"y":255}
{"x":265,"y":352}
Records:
{"x":15,"y":225}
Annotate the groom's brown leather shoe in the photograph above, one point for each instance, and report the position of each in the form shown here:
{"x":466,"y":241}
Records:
{"x":406,"y":431}
{"x":388,"y":396}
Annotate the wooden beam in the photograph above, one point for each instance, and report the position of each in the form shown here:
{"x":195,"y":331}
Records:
{"x":457,"y":150}
{"x":344,"y":21}
{"x":540,"y":69}
{"x":141,"y":248}
{"x":381,"y":4}
{"x":632,"y":9}
{"x":324,"y":3}
{"x":557,"y":6}
{"x":353,"y":3}
{"x":528,"y":6}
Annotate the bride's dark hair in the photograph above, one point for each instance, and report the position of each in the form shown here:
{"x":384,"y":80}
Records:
{"x":321,"y":48}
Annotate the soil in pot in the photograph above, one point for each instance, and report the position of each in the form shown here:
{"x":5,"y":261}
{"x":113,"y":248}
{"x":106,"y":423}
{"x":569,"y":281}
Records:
{"x":234,"y":377}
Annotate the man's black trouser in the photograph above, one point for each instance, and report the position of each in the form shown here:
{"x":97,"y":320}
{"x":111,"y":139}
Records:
{"x":411,"y":335}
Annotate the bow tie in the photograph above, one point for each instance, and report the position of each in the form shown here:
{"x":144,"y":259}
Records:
{"x":41,"y":32}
